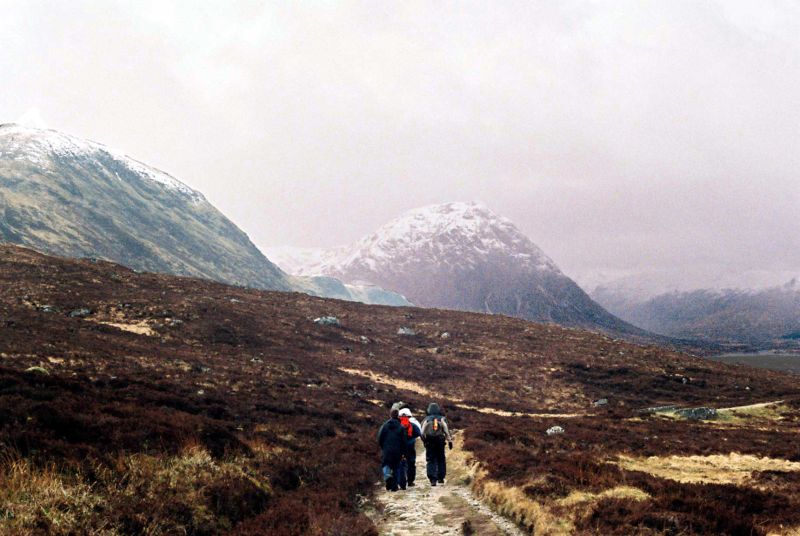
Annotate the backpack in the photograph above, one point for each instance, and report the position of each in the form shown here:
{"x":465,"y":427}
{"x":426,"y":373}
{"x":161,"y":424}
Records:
{"x":433,"y":428}
{"x":405,"y":422}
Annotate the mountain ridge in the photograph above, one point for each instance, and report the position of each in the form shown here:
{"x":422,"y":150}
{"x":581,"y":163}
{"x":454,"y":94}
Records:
{"x":742,"y":319}
{"x":72,"y":197}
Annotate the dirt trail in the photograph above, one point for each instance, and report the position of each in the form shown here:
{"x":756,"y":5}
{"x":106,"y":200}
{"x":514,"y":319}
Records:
{"x":445,"y":509}
{"x":419,"y":389}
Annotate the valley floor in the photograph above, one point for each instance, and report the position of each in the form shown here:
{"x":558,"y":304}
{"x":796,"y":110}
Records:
{"x":773,"y":360}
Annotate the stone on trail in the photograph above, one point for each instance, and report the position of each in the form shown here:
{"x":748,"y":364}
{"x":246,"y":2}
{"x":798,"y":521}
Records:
{"x":697,"y":414}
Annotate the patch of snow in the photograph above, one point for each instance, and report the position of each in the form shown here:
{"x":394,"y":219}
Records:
{"x":41,"y":146}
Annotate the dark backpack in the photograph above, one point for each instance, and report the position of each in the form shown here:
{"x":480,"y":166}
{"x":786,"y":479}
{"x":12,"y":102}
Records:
{"x":433,"y":428}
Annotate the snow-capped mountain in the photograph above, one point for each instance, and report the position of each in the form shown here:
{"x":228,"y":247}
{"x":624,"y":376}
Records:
{"x":77,"y":198}
{"x":460,"y":256}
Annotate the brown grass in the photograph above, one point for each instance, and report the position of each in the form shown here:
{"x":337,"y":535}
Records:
{"x":732,"y":468}
{"x":140,"y":493}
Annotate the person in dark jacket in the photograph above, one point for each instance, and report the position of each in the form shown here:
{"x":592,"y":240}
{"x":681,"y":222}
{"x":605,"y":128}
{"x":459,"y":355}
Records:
{"x":392,"y":440}
{"x":435,"y":435}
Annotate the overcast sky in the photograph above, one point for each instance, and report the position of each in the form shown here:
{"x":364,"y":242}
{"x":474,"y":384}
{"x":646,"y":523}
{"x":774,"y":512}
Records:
{"x":618,"y":135}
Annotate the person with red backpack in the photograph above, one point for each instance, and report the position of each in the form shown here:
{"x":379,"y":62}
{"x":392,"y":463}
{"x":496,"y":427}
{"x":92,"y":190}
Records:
{"x":435,"y":435}
{"x":408,"y":466}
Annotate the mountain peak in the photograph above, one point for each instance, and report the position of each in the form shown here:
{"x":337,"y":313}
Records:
{"x":460,"y":255}
{"x":456,"y":233}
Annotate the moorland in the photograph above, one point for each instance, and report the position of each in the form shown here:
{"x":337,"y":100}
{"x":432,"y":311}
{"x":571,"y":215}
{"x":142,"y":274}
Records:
{"x":145,"y":403}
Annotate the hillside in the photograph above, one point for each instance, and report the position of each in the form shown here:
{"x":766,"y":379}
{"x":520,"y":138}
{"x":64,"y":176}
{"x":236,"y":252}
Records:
{"x":67,"y":196}
{"x":744,"y":319}
{"x":77,"y":198}
{"x":461,"y":256}
{"x":145,"y":403}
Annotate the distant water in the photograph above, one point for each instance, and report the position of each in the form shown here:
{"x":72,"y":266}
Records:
{"x":768,"y":360}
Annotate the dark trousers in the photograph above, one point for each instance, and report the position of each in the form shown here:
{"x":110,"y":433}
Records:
{"x":437,"y":464}
{"x":408,"y":468}
{"x":402,"y":474}
{"x":411,"y":459}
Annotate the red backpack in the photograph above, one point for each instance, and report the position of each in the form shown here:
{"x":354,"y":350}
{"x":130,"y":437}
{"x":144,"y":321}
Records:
{"x":406,"y":423}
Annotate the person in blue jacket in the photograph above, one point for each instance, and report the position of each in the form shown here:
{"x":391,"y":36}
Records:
{"x":408,"y":466}
{"x":392,"y":440}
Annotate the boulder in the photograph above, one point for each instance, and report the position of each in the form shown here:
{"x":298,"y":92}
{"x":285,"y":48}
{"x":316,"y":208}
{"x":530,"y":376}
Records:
{"x":697,"y":414}
{"x":327,"y":321}
{"x":555,"y":430}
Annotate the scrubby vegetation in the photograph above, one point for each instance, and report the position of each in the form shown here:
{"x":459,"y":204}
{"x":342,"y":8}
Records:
{"x":141,"y":403}
{"x":609,"y":474}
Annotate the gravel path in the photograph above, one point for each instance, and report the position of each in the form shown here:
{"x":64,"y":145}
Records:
{"x":449,"y":509}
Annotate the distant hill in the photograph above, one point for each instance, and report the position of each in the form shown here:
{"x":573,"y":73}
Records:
{"x":758,"y":319}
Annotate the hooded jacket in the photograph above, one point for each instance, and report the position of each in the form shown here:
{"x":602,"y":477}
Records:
{"x":392,"y":439}
{"x":435,"y":412}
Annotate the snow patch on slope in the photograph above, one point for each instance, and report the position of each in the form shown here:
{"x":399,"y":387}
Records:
{"x":41,"y":146}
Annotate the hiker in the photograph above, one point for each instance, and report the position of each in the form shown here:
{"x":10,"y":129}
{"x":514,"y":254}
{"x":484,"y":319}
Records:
{"x":435,"y":434}
{"x":392,"y":440}
{"x":408,"y":465}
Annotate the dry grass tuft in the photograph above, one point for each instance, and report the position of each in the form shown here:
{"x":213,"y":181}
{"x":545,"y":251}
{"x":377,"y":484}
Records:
{"x":510,"y":501}
{"x":585,"y":498}
{"x":36,"y":499}
{"x":139,"y":328}
{"x":730,"y":468}
{"x":144,"y":494}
